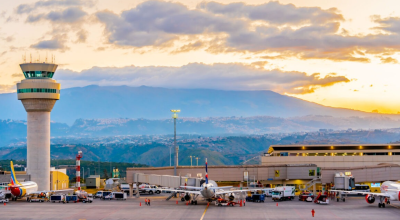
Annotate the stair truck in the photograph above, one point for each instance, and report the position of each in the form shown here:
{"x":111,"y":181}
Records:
{"x":283,"y":193}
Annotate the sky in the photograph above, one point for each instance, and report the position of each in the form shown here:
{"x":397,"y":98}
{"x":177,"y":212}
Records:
{"x":341,"y":53}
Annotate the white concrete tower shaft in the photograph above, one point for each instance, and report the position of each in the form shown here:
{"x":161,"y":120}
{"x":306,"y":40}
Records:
{"x":38,"y":93}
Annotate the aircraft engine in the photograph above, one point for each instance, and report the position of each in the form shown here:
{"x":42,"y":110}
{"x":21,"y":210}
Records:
{"x":231,"y":197}
{"x":370,"y":199}
{"x":187,"y":197}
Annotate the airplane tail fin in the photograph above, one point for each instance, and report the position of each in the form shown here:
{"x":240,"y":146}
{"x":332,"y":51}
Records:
{"x":206,"y":173}
{"x":14,"y":180}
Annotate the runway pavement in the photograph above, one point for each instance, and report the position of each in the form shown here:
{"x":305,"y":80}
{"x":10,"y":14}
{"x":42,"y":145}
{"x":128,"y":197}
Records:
{"x":353,"y":208}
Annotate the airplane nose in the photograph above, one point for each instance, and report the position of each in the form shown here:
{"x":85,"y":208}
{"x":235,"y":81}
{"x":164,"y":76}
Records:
{"x":16,"y":191}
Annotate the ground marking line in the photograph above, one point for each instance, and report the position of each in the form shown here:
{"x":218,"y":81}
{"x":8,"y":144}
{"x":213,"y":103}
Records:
{"x":208,"y":204}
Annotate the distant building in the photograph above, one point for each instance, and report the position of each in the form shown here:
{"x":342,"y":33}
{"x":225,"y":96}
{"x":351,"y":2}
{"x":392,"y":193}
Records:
{"x":58,"y":179}
{"x":93,"y":182}
{"x":347,"y":155}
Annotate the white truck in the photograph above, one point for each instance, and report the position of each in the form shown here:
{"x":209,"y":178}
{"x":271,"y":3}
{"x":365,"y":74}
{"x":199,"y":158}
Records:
{"x":150,"y":189}
{"x":283,"y":193}
{"x":116,"y":196}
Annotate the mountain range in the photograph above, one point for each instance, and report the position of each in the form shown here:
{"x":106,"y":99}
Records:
{"x":99,"y":102}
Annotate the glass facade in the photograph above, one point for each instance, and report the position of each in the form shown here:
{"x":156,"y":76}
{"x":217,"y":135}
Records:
{"x":38,"y":74}
{"x":37,"y":90}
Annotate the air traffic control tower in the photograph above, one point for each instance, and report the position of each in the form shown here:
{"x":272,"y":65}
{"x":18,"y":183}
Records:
{"x":38,"y":93}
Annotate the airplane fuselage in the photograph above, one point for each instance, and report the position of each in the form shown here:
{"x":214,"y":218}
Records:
{"x":387,"y":188}
{"x":24,"y":188}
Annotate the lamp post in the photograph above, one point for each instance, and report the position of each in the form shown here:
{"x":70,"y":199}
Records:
{"x":191,"y":160}
{"x":197,"y":159}
{"x":175,"y":116}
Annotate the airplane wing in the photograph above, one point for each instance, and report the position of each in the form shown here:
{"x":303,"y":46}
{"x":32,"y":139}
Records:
{"x":231,"y":191}
{"x":363,"y":193}
{"x":184,"y":191}
{"x":191,"y":187}
{"x":222,"y":187}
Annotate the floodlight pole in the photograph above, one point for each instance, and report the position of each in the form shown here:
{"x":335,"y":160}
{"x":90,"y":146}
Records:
{"x":175,"y":116}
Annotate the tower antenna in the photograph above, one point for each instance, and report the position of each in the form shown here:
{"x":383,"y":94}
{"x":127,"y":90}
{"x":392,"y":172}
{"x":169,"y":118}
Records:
{"x":46,"y":58}
{"x":31,"y":57}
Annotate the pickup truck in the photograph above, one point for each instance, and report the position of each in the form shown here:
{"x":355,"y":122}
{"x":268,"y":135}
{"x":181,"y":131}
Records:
{"x":150,"y":189}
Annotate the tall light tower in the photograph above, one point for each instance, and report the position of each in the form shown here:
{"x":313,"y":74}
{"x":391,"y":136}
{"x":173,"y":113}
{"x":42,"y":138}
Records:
{"x":175,"y":116}
{"x":38,"y":93}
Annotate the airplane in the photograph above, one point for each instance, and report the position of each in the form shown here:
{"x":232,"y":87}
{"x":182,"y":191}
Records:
{"x":209,"y":190}
{"x":389,"y":191}
{"x":19,"y":190}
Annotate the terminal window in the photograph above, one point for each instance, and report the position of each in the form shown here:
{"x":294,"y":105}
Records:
{"x":37,"y":90}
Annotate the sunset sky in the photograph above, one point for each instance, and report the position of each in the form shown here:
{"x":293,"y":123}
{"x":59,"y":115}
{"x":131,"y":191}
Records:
{"x":342,"y":53}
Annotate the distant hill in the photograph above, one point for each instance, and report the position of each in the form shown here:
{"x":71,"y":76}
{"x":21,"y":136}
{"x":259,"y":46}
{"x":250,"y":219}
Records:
{"x":218,"y":150}
{"x":94,"y":102}
{"x":14,"y":132}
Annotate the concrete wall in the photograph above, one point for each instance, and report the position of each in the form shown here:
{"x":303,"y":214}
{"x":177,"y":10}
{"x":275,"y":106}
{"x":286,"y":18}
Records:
{"x":231,"y":173}
{"x":364,"y":174}
{"x":329,"y":161}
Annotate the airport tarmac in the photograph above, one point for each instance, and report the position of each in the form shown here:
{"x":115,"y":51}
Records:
{"x":353,"y":208}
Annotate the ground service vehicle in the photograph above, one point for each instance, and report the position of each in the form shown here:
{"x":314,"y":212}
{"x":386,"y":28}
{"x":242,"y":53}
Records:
{"x":304,"y":195}
{"x":283,"y":193}
{"x":322,"y":199}
{"x":71,"y":198}
{"x":361,"y":188}
{"x":101,"y":194}
{"x":37,"y":197}
{"x":57,"y":198}
{"x":116,"y":195}
{"x":3,"y":198}
{"x":268,"y":191}
{"x":258,"y":197}
{"x":224,"y":202}
{"x":150,"y":189}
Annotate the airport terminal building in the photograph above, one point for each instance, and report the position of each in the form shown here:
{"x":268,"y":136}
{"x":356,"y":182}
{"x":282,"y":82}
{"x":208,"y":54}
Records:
{"x":333,"y":155}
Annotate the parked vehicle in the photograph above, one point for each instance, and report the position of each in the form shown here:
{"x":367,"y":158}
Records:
{"x":283,"y":193}
{"x":224,"y":202}
{"x":71,"y":198}
{"x":84,"y":197}
{"x":258,"y":197}
{"x":116,"y":195}
{"x":37,"y":197}
{"x":150,"y":189}
{"x":3,"y":197}
{"x":101,"y":194}
{"x":322,"y":199}
{"x":304,"y":195}
{"x":268,"y":192}
{"x":57,"y":198}
{"x":165,"y":190}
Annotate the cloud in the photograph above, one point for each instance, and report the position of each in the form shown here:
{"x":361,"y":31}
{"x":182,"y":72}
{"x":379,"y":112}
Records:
{"x":68,"y":15}
{"x":285,"y":30}
{"x":7,"y":88}
{"x":17,"y":75}
{"x":197,"y":75}
{"x":53,"y":44}
{"x":274,"y":12}
{"x":391,"y":24}
{"x":27,"y":8}
{"x":389,"y":60}
{"x":155,"y":22}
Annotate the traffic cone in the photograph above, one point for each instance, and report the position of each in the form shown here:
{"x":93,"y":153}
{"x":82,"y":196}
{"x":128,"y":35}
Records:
{"x":177,"y":202}
{"x":276,"y":204}
{"x":140,"y":204}
{"x":4,"y":204}
{"x":187,"y":203}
